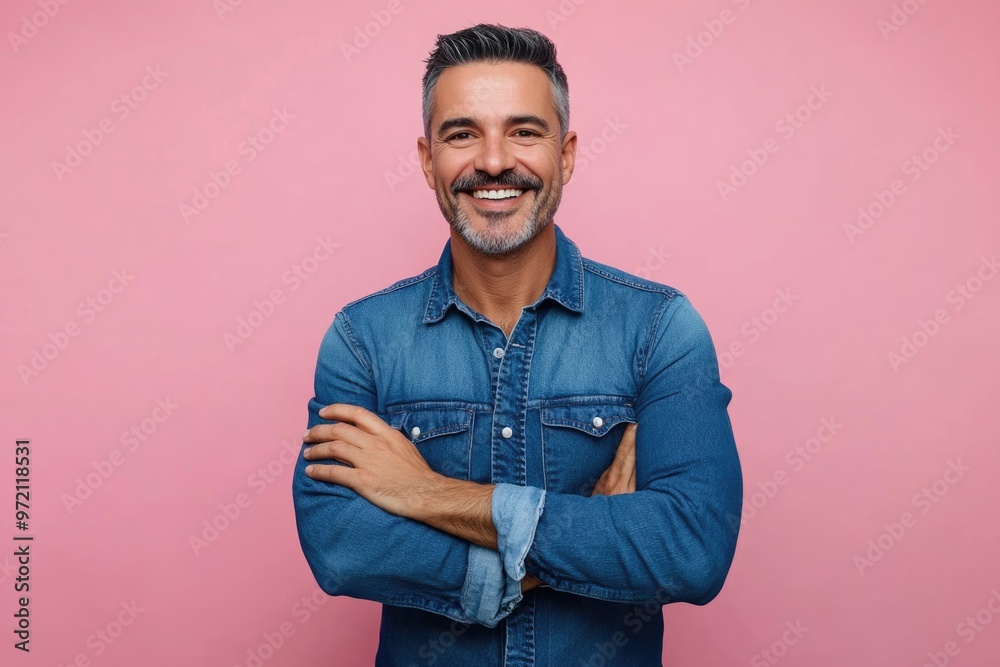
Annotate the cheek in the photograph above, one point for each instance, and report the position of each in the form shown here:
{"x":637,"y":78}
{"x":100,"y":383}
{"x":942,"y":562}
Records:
{"x":451,"y":162}
{"x":547,"y":168}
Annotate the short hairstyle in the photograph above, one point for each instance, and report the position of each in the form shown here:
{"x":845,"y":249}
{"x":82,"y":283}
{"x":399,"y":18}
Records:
{"x":496,"y":43}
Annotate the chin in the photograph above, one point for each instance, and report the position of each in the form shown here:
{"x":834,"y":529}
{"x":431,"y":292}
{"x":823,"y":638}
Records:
{"x":497,"y":244}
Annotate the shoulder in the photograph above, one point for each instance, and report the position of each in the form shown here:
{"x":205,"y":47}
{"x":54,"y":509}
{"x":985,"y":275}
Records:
{"x":374,"y":316}
{"x":658,"y":305}
{"x":615,"y":283}
{"x":411,"y":290}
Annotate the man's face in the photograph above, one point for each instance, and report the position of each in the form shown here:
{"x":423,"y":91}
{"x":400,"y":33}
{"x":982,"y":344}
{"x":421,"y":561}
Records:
{"x":495,"y":128}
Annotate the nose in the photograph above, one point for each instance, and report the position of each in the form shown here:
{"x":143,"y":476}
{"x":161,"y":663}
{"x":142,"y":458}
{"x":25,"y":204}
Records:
{"x":495,"y":154}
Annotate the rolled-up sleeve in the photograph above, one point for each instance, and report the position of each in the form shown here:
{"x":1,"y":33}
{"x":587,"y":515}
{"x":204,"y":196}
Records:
{"x":674,"y":538}
{"x":356,"y":549}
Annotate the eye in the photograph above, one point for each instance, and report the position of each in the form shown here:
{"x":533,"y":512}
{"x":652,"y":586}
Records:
{"x":457,"y":135}
{"x":529,"y":133}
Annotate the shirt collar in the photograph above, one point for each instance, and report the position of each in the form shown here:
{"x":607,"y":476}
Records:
{"x":565,"y":286}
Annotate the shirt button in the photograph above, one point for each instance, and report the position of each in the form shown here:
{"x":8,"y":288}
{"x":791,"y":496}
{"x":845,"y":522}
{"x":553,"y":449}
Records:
{"x":598,"y":422}
{"x":507,"y":432}
{"x":415,"y":431}
{"x":498,"y":353}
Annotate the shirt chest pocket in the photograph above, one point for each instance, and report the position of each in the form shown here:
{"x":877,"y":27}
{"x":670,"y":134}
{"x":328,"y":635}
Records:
{"x":442,"y":435}
{"x":579,"y":441}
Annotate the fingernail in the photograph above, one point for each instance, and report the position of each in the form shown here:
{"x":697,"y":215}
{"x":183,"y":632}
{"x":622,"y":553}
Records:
{"x":305,"y":434}
{"x":310,"y":469}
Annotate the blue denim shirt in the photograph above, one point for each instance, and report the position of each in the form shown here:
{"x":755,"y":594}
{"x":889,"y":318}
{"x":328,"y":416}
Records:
{"x":540,"y":415}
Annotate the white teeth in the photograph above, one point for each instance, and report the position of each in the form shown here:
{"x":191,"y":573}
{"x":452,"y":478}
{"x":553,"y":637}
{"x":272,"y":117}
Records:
{"x":496,"y":194}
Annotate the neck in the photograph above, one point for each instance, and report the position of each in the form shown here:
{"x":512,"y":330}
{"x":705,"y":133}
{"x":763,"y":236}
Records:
{"x":499,"y":287}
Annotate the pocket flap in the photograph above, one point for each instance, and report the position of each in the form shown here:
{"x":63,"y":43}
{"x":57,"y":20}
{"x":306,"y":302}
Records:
{"x":593,"y":418}
{"x":419,"y":424}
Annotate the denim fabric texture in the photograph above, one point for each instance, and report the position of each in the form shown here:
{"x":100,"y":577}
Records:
{"x":539,"y":415}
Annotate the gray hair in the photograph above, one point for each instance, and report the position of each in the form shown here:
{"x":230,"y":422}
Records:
{"x":496,"y":43}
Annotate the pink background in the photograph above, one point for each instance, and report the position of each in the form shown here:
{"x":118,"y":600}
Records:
{"x":649,"y":191}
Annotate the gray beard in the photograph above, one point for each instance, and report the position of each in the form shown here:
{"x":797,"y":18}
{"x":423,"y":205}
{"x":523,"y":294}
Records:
{"x":496,"y":245}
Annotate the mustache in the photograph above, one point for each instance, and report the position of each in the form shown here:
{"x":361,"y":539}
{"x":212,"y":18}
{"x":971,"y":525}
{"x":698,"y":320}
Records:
{"x":507,"y":179}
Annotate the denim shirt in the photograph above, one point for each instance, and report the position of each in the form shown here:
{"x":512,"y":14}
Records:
{"x":540,"y":415}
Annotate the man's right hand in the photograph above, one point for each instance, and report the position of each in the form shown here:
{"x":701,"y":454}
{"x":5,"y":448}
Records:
{"x":620,"y":475}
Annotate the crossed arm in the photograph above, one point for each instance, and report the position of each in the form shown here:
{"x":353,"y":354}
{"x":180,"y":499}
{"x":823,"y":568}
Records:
{"x":671,"y":540}
{"x":388,"y":471}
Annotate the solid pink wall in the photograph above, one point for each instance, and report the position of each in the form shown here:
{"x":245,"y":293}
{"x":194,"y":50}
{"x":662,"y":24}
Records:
{"x":328,"y":193}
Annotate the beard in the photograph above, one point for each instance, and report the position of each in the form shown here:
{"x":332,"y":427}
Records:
{"x":500,"y":237}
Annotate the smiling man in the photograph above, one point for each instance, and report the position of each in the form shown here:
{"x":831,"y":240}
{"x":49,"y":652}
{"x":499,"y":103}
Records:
{"x":520,"y":452}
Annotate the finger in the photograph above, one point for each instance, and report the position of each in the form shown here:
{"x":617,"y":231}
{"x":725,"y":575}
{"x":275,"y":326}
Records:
{"x":627,"y":444}
{"x":598,"y":486}
{"x":333,"y":473}
{"x":628,"y":437}
{"x":621,"y":486}
{"x":622,"y":458}
{"x":627,"y":467}
{"x":601,"y":487}
{"x":630,"y":461}
{"x":613,"y":473}
{"x":340,"y":431}
{"x":366,"y":420}
{"x":335,"y":449}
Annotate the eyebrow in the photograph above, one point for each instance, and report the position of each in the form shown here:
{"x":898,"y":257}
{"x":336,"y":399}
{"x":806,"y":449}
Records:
{"x":466,"y":121}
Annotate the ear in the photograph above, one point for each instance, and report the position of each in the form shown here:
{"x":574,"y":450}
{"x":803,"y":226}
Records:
{"x":424,"y":152}
{"x":568,"y":161}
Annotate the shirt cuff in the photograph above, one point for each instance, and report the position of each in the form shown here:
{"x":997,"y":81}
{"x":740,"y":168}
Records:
{"x":516,"y":510}
{"x":485,"y":584}
{"x":492,"y":586}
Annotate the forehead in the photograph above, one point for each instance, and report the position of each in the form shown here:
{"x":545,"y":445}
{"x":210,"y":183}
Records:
{"x":484,"y":89}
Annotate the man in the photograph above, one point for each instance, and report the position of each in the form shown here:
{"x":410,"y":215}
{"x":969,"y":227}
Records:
{"x":522,"y":453}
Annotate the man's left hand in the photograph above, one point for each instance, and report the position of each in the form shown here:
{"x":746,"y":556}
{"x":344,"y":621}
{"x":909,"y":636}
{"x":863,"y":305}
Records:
{"x":620,"y":475}
{"x":386,"y":469}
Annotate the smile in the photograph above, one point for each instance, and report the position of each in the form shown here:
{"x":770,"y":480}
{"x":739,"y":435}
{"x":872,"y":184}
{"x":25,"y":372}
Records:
{"x":497,"y":200}
{"x":509,"y":193}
